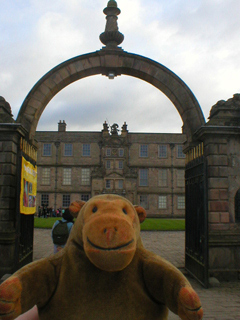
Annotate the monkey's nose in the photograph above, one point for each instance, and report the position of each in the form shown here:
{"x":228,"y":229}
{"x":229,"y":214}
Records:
{"x":110,"y":233}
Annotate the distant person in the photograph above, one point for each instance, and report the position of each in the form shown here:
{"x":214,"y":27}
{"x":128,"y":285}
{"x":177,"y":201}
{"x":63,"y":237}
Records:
{"x":39,"y":211}
{"x":45,"y":211}
{"x":61,"y":230}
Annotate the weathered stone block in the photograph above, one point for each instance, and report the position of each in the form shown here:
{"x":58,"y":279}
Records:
{"x":111,"y":61}
{"x":213,"y":171}
{"x":218,"y":206}
{"x":44,"y":89}
{"x":7,"y":180}
{"x":9,"y":169}
{"x":95,"y":61}
{"x":211,"y":149}
{"x":223,"y":194}
{"x":64,"y":73}
{"x":86,"y":64}
{"x":2,"y":157}
{"x":71,"y":68}
{"x":219,"y":227}
{"x":79,"y":66}
{"x":7,"y":203}
{"x":217,"y":160}
{"x":223,"y":171}
{"x":213,"y":194}
{"x":224,"y":217}
{"x":218,"y":183}
{"x":214,"y":217}
{"x":222,"y":148}
{"x":9,"y":146}
{"x":7,"y":215}
{"x":220,"y":258}
{"x":56,"y":77}
{"x":8,"y":192}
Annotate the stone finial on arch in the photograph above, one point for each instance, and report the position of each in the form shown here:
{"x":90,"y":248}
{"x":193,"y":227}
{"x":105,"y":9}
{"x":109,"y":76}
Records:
{"x":114,"y":62}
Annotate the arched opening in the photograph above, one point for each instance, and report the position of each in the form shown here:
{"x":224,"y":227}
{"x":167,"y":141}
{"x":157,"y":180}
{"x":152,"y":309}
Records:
{"x":111,"y":63}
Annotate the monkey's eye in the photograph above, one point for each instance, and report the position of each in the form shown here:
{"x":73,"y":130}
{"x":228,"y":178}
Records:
{"x":94,"y":209}
{"x":124,"y":210}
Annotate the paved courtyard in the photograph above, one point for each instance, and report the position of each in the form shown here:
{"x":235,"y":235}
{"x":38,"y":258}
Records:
{"x":219,"y":303}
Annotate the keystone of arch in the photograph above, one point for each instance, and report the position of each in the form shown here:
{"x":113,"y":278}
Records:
{"x":119,"y":62}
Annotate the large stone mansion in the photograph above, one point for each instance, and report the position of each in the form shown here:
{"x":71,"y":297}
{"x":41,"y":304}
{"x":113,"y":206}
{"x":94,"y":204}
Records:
{"x":146,"y":168}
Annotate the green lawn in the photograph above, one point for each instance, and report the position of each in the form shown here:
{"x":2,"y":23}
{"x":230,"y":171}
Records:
{"x":163,"y":224}
{"x":148,"y":224}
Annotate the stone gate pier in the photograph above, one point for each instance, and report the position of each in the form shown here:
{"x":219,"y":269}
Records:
{"x":221,"y":138}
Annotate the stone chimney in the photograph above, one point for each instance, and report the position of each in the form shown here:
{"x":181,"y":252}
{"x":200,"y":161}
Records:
{"x":105,"y":131}
{"x":124,"y":130}
{"x":62,"y":126}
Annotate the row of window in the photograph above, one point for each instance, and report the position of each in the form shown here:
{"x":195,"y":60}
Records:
{"x":112,"y":164}
{"x":86,"y":177}
{"x":162,"y":151}
{"x":68,"y":150}
{"x":66,"y":199}
{"x":67,"y":176}
{"x":86,"y":150}
{"x":162,"y":178}
{"x":162,"y":202}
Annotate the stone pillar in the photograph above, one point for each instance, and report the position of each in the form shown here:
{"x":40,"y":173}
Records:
{"x":10,"y":135}
{"x":221,"y":141}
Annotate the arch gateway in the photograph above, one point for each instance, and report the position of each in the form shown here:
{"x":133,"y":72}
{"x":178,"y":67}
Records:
{"x":212,"y":158}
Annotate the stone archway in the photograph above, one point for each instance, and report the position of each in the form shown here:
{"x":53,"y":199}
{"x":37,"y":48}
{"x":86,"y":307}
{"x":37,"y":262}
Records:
{"x":112,"y":62}
{"x":18,"y":137}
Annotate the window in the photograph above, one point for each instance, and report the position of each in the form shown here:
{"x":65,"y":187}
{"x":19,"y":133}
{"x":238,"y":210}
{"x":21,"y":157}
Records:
{"x":66,"y":200}
{"x":67,"y":176}
{"x":86,"y":150}
{"x":120,"y":184}
{"x":68,"y":149}
{"x":108,"y":164}
{"x":143,"y":177}
{"x":144,"y":201}
{"x":120,"y":164}
{"x":121,"y":152}
{"x":162,"y":151}
{"x":45,"y":200}
{"x":46,"y":176}
{"x":85,"y":178}
{"x":47,"y":149}
{"x":162,"y":202}
{"x":85,"y":197}
{"x":181,"y":202}
{"x":108,"y":184}
{"x":162,"y":177}
{"x":180,"y":153}
{"x":108,"y":152}
{"x":143,"y":150}
{"x":180,"y":178}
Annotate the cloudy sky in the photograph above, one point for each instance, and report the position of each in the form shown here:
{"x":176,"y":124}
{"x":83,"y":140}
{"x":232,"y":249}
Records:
{"x":199,"y":40}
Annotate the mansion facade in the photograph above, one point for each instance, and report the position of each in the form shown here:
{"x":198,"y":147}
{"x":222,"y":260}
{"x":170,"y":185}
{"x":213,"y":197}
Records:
{"x":146,"y":168}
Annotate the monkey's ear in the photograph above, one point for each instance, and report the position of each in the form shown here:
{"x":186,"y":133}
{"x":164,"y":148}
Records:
{"x":75,"y":207}
{"x":142,"y":214}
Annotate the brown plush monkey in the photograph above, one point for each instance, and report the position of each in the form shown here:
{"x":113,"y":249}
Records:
{"x":103,"y":273}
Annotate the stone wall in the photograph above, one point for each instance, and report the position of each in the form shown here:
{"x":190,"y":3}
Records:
{"x":221,"y":137}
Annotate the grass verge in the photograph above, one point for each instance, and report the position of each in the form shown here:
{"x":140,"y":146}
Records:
{"x":150,"y":224}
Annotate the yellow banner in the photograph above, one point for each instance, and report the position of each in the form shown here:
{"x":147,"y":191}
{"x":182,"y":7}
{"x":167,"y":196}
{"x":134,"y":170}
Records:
{"x":28,"y":188}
